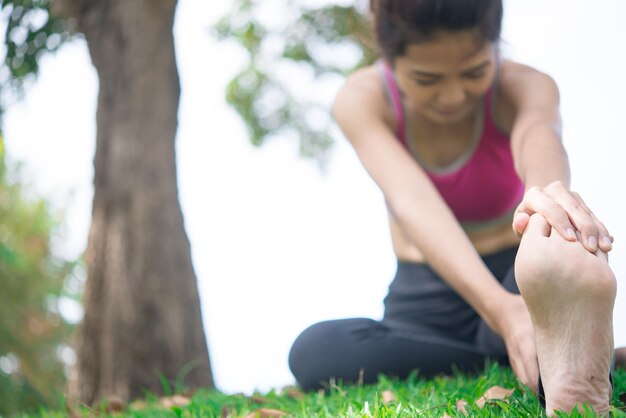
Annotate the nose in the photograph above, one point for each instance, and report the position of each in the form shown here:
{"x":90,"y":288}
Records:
{"x":452,"y":95}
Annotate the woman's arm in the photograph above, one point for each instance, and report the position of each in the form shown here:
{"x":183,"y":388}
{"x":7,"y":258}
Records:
{"x":413,"y":200}
{"x":531,"y":112}
{"x":429,"y":223}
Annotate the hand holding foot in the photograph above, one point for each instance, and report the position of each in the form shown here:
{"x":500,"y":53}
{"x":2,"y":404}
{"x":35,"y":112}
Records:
{"x":566,"y":212}
{"x":516,"y":329}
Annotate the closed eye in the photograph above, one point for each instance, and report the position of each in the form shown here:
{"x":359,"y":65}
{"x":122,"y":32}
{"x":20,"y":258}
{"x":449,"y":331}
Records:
{"x":426,"y":81}
{"x":475,"y":74}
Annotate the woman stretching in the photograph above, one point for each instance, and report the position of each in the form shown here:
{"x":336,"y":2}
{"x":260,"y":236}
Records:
{"x":464,"y":145}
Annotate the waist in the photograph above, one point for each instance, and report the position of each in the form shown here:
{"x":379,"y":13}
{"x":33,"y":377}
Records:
{"x":503,"y":258}
{"x":486,"y":240}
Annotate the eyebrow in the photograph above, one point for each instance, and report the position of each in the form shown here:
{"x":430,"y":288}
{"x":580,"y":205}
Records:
{"x":435,"y":75}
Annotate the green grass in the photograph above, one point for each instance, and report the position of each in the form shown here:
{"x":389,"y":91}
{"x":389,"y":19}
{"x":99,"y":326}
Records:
{"x":415,"y":397}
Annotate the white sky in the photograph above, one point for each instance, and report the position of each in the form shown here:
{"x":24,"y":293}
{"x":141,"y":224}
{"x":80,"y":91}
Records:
{"x":276,"y":245}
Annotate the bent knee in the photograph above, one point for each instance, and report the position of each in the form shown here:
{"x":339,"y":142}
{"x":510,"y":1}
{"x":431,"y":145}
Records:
{"x":321,"y":351}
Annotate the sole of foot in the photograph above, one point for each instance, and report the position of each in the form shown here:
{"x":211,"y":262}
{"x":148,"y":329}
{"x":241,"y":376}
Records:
{"x":569,"y":293}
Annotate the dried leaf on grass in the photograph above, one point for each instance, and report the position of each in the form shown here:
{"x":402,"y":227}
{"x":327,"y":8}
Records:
{"x":388,"y":397}
{"x":266,"y":413}
{"x":293,"y":393}
{"x":494,"y":393}
{"x":257,"y":399}
{"x":113,"y":405}
{"x":176,"y":400}
{"x":226,"y":411}
{"x":460,"y":406}
{"x":445,"y":415}
{"x":338,"y":389}
{"x":138,"y":405}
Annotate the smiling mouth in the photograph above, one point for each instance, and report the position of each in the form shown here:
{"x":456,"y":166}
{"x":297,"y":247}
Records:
{"x":448,"y":112}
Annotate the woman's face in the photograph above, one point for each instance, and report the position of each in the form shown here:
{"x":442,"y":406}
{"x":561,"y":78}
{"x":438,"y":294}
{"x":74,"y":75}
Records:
{"x":445,"y":78}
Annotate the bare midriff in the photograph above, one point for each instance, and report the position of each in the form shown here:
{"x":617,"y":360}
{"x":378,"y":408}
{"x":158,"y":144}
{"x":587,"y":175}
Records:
{"x":486,"y":241}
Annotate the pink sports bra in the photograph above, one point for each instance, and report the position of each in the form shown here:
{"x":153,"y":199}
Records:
{"x":481,"y":187}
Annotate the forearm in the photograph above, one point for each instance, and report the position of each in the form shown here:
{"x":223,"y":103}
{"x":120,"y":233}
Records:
{"x":541,"y":162}
{"x":451,"y":254}
{"x":541,"y":158}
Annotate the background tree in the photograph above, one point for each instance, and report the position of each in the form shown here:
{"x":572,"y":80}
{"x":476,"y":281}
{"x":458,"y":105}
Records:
{"x":32,"y":281}
{"x":331,"y":40}
{"x":142,"y":326}
{"x":142,"y":316}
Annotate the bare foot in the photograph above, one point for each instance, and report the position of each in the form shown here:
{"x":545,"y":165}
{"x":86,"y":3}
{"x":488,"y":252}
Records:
{"x":570,"y":294}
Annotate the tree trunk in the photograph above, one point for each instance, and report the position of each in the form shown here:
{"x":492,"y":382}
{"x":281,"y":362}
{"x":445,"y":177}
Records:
{"x":142,"y":318}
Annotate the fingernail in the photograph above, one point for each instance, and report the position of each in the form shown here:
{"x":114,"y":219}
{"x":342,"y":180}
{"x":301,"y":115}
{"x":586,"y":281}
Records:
{"x":592,"y":242}
{"x":606,"y":241}
{"x":571,"y":233}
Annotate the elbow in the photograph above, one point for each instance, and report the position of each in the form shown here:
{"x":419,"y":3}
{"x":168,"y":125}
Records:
{"x":402,"y":208}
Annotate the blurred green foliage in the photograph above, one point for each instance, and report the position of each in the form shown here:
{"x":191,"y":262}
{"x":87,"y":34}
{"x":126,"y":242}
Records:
{"x":328,"y":40}
{"x":30,"y":31}
{"x":33,"y":333}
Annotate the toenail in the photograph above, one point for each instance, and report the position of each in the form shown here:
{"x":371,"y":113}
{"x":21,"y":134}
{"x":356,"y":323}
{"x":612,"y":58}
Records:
{"x":606,"y":241}
{"x":592,"y":241}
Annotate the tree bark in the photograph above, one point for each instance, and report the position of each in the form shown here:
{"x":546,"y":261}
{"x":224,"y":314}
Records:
{"x":142,"y":318}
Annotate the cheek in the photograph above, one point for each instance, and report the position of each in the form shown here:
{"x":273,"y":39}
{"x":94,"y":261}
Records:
{"x":477,"y":90}
{"x":419,"y":95}
{"x":480,"y":87}
{"x":414,"y":92}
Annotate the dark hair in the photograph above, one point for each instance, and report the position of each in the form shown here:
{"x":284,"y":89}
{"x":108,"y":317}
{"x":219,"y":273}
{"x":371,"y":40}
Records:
{"x":401,"y":22}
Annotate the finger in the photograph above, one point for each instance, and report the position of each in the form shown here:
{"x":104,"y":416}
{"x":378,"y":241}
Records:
{"x":605,"y":240}
{"x":520,"y":222}
{"x":529,"y":363}
{"x":520,"y":371}
{"x":594,"y":234}
{"x":530,"y":379}
{"x":536,"y":201}
{"x":532,"y":367}
{"x":605,"y":243}
{"x":538,"y":225}
{"x":580,"y":216}
{"x":515,"y":359}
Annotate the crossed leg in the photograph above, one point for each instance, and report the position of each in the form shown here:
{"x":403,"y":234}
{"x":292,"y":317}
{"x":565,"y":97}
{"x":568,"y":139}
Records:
{"x":569,"y":293}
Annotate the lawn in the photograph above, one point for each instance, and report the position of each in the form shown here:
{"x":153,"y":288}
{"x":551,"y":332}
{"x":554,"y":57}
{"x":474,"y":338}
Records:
{"x":414,"y":397}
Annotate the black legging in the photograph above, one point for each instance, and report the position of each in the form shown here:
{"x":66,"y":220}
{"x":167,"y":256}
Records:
{"x":426,"y":326}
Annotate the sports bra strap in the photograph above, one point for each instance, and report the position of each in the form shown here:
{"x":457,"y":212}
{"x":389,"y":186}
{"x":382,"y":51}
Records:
{"x":396,"y":101}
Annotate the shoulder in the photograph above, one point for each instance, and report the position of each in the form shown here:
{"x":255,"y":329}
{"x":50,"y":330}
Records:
{"x":516,"y":78}
{"x":366,"y":82}
{"x":362,"y":112}
{"x":522,"y":89}
{"x":361,"y":98}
